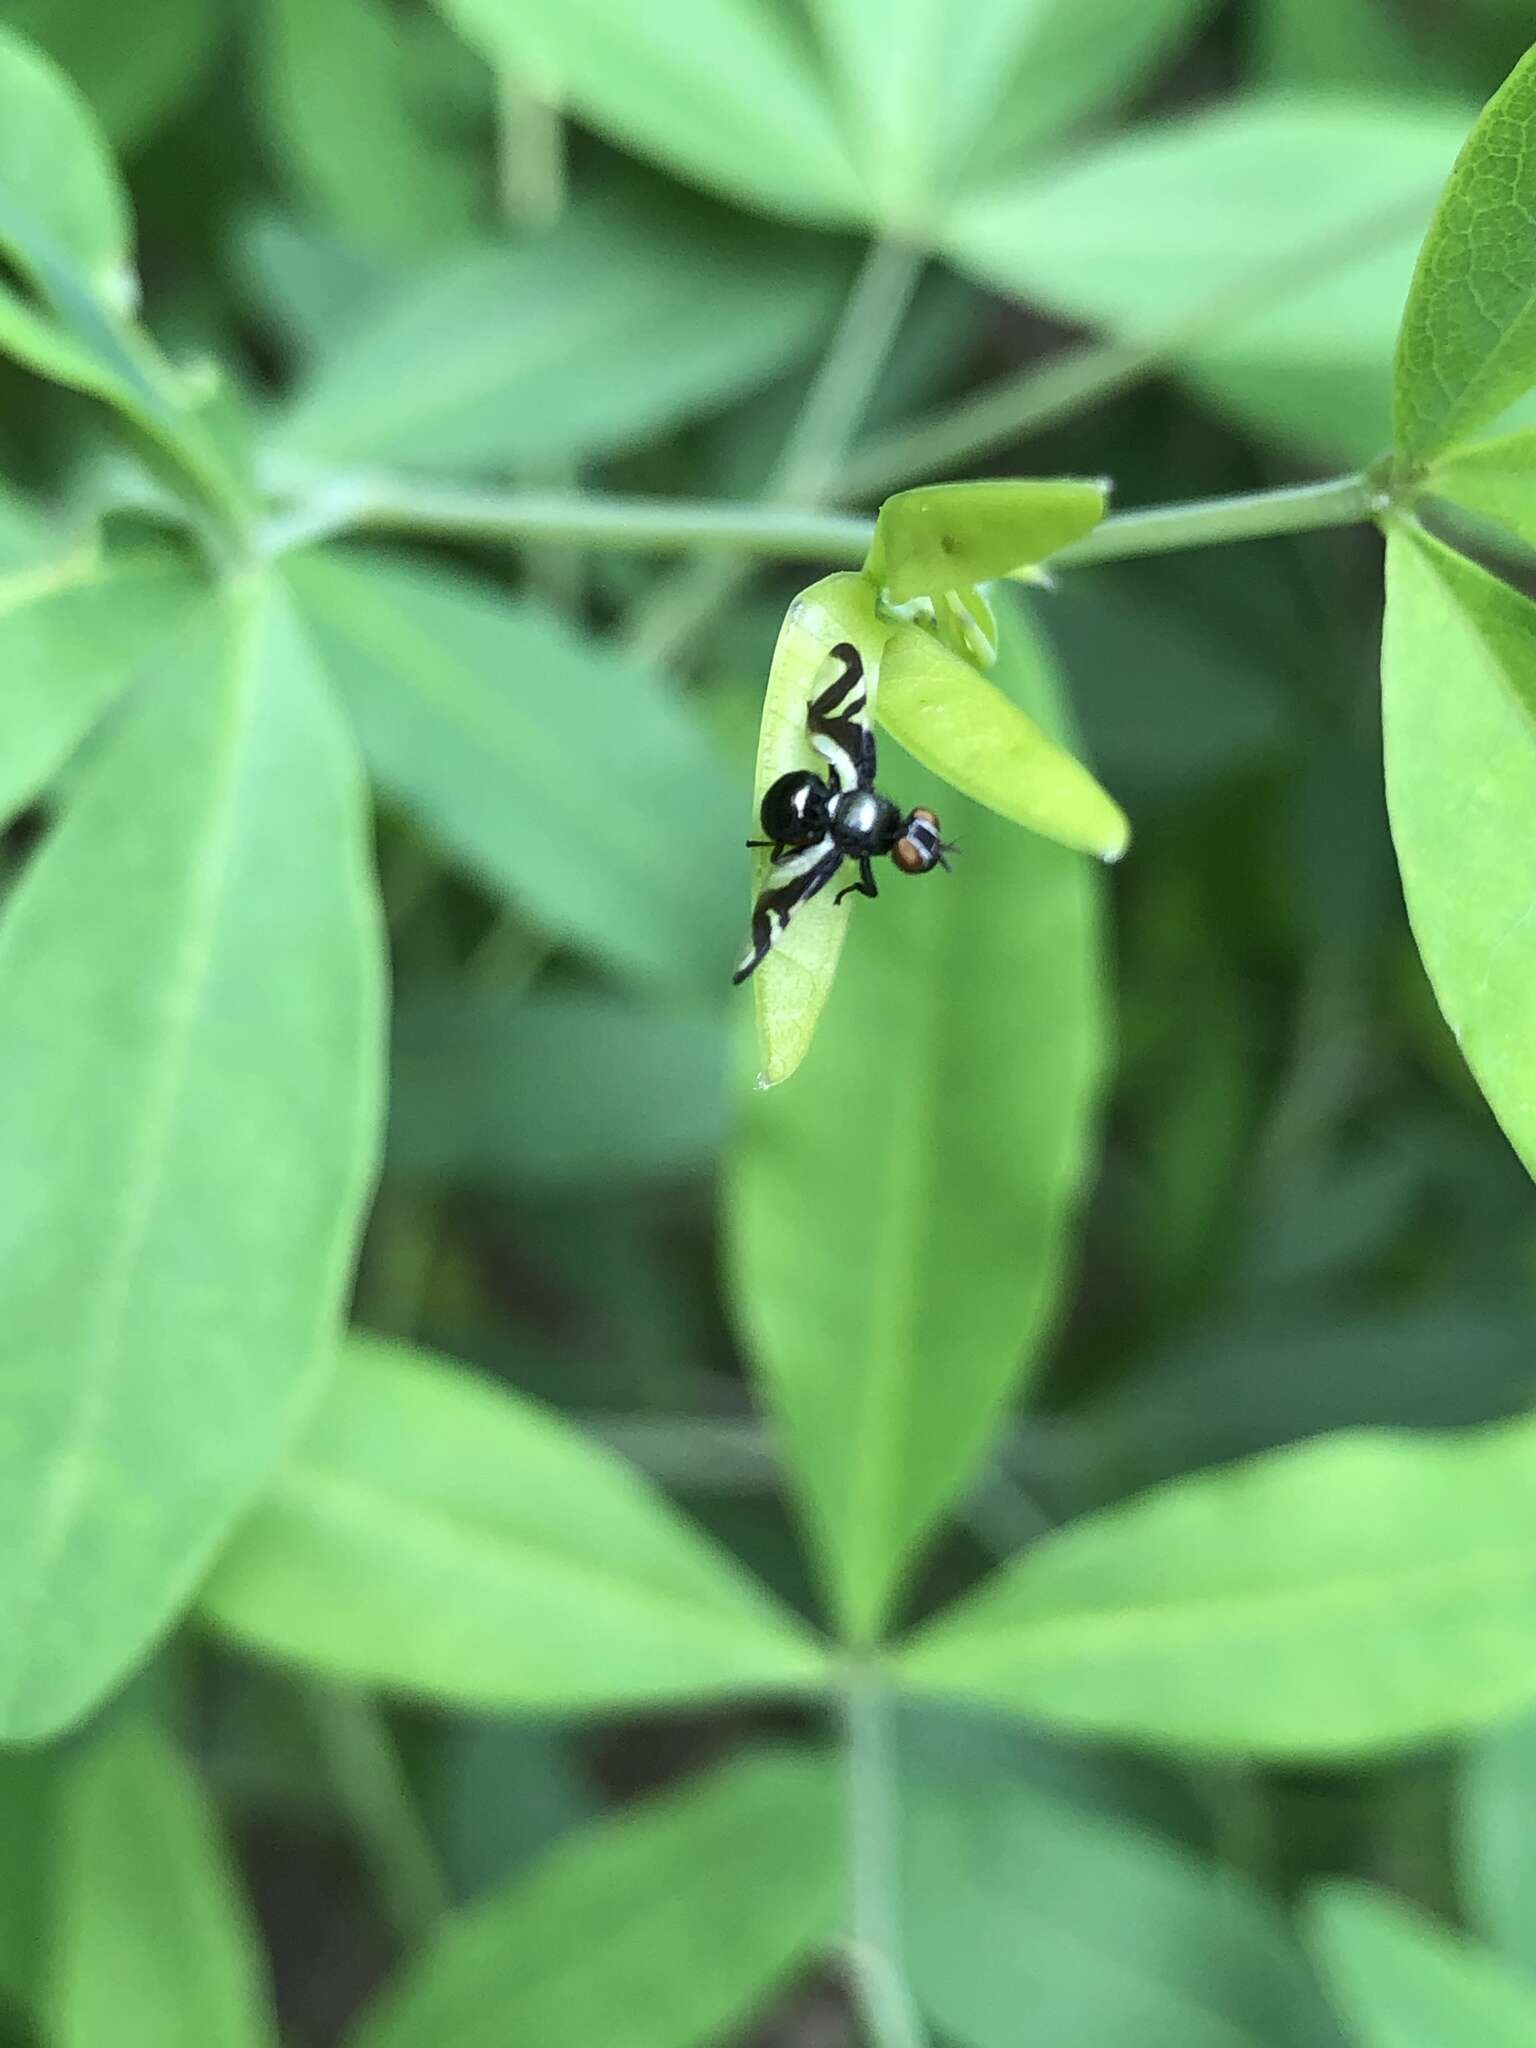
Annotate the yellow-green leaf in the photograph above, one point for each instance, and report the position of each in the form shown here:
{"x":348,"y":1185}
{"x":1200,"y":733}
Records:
{"x":946,"y":536}
{"x":1496,"y":478}
{"x":1467,"y":346}
{"x":153,"y":1944}
{"x":792,"y":985}
{"x":963,"y":727}
{"x":1458,"y":679}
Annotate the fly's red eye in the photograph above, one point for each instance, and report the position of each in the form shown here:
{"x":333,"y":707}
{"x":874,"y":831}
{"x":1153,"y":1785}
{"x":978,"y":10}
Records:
{"x":909,"y":857}
{"x":926,"y":818}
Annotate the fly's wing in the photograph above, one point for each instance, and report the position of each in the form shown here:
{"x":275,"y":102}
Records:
{"x":838,"y":721}
{"x":791,"y":882}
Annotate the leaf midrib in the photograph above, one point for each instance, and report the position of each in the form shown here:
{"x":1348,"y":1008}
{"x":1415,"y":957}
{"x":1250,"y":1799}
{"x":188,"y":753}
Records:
{"x":146,"y":1164}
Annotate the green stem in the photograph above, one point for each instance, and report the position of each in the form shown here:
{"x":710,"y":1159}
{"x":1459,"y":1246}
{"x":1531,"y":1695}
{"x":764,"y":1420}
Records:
{"x":874,"y":1941}
{"x":681,"y":605}
{"x":530,"y":154}
{"x":1213,"y":522}
{"x":385,"y":504}
{"x":370,"y":1785}
{"x":389,"y":504}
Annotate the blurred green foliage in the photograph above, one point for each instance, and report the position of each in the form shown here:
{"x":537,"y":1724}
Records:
{"x":414,"y":422}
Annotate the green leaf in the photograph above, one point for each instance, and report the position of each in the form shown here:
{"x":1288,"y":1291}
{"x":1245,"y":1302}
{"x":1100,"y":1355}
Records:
{"x":566,"y":1089}
{"x":442,"y":1536}
{"x":724,"y":91}
{"x":1106,"y":1936}
{"x":1402,"y":1980}
{"x":1013,"y":76}
{"x":61,"y":200}
{"x":965,"y":1049}
{"x":1495,"y":1856}
{"x":72,"y":638}
{"x":790,"y":989}
{"x":153,"y":1945}
{"x":1266,"y":246}
{"x":671,"y":1926}
{"x":182,"y":1190}
{"x":1467,"y":348}
{"x":1458,"y":670}
{"x":499,"y":729}
{"x":1357,"y":1594}
{"x":478,"y":364}
{"x":941,"y":537}
{"x":340,"y":96}
{"x":964,"y":728}
{"x":133,"y":65}
{"x":1495,"y":478}
{"x":65,"y":227}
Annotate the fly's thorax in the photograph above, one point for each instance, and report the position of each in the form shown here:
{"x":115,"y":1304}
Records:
{"x":864,"y":822}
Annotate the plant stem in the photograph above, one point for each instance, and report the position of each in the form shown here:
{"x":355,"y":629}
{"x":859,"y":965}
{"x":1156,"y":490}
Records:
{"x":682,"y":604}
{"x":530,"y":154}
{"x":370,"y":1784}
{"x":874,"y":1942}
{"x":387,"y":504}
{"x":1212,"y":522}
{"x":390,"y":504}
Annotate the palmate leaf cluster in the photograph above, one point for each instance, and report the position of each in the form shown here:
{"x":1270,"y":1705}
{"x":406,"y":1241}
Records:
{"x":240,"y":749}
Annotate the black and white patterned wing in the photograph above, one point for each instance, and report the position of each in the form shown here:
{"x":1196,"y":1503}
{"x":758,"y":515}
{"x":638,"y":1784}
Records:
{"x":838,"y":722}
{"x":791,"y":881}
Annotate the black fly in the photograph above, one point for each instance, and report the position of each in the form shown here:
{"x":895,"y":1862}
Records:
{"x":814,"y":823}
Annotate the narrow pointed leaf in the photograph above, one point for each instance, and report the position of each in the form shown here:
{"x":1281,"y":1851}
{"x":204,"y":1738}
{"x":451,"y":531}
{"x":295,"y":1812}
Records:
{"x":964,"y":728}
{"x":724,"y":91}
{"x":444,"y":1537}
{"x":791,"y":988}
{"x":1458,"y":670}
{"x":1496,"y":478}
{"x":536,"y":757}
{"x":1022,"y":71}
{"x":1107,"y":1935}
{"x":1467,"y":347}
{"x":66,"y":229}
{"x":946,"y":536}
{"x":153,"y":1946}
{"x":894,"y":1324}
{"x":183,"y":1191}
{"x":72,"y":639}
{"x":670,"y":1926}
{"x":373,"y":158}
{"x":1402,"y":1980}
{"x":581,"y":343}
{"x":1364,"y":1592}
